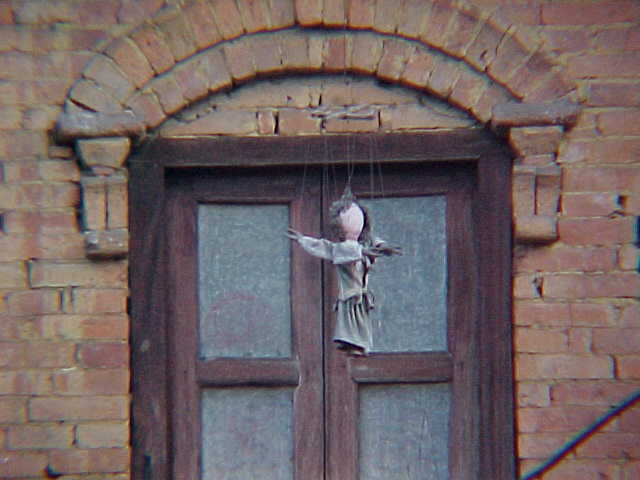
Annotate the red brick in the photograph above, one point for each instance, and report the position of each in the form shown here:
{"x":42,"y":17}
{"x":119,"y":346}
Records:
{"x":268,"y":58}
{"x":590,"y":393}
{"x":386,"y":16}
{"x":631,"y":471}
{"x":266,"y":123}
{"x":84,"y":327}
{"x":444,"y":76}
{"x":433,"y":31}
{"x":583,"y":469}
{"x":215,"y":69}
{"x":12,"y":410}
{"x":629,"y":367}
{"x":510,"y":55}
{"x":94,"y":460}
{"x":539,"y":313}
{"x":293,"y":122}
{"x":366,"y":53}
{"x":96,"y":435}
{"x":591,"y":314}
{"x":131,"y":61}
{"x":254,"y":15}
{"x":40,"y":436}
{"x":540,"y":445}
{"x":282,"y":13}
{"x":610,"y":445}
{"x":6,"y":13}
{"x":26,"y":382}
{"x":580,"y":340}
{"x":630,"y":316}
{"x":79,"y":408}
{"x":578,"y":286}
{"x":92,"y":382}
{"x":418,"y":68}
{"x":99,"y":12}
{"x":103,"y":355}
{"x":334,"y":13}
{"x":581,"y":13}
{"x":596,"y":231}
{"x":535,"y":340}
{"x":37,"y":355}
{"x":203,"y":24}
{"x":108,"y":76}
{"x":615,"y":340}
{"x":192,"y":80}
{"x":219,"y":122}
{"x":565,"y":40}
{"x":562,"y":366}
{"x":604,"y":151}
{"x":228,"y":18}
{"x":530,"y":78}
{"x":240,"y":60}
{"x":178,"y":36}
{"x":628,"y":257}
{"x":619,"y":122}
{"x":361,"y":13}
{"x":559,"y":258}
{"x":154,"y":48}
{"x":468,"y":89}
{"x":89,"y":274}
{"x":308,"y":12}
{"x":13,"y":275}
{"x":613,"y":94}
{"x":601,"y":179}
{"x":626,"y":37}
{"x":532,"y":394}
{"x":462,"y":31}
{"x":556,"y":419}
{"x":339,"y":125}
{"x":336,"y":54}
{"x":492,"y":96}
{"x":33,"y":302}
{"x":22,"y":464}
{"x":395,"y":54}
{"x":601,"y":65}
{"x":528,"y":141}
{"x":483,"y":50}
{"x":526,"y":286}
{"x":88,"y":94}
{"x":147,"y":107}
{"x":590,"y":204}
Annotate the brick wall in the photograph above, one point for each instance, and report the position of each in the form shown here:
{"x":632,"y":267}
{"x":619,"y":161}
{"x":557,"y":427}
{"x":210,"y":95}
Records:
{"x":63,"y":325}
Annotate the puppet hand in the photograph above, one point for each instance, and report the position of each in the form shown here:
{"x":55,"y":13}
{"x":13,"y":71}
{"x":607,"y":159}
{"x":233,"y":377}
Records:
{"x":293,"y":234}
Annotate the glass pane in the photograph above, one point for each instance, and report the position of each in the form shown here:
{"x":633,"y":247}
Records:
{"x":410,"y":290}
{"x":404,"y":432}
{"x":244,"y":280}
{"x":247,"y":433}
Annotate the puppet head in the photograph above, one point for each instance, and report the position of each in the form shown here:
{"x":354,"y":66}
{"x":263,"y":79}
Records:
{"x":349,"y":219}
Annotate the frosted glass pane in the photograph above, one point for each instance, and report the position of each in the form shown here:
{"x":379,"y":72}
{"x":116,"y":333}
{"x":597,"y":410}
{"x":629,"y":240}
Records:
{"x":244,"y":281}
{"x":247,"y":433}
{"x":410,"y":290}
{"x":404,"y":432}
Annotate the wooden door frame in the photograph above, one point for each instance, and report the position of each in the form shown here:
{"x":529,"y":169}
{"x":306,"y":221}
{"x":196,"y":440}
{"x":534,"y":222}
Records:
{"x":493,"y":446}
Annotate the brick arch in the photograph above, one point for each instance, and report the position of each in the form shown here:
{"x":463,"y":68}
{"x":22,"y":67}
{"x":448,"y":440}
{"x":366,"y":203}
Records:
{"x":455,"y":52}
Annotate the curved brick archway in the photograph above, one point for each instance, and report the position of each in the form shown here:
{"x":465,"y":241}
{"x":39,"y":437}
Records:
{"x":455,"y":52}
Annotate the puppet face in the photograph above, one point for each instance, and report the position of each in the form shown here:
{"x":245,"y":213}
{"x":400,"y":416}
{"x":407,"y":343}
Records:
{"x":352,"y":222}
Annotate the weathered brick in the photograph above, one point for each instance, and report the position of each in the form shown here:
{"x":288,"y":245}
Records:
{"x":526,"y":286}
{"x":155,"y":48}
{"x":601,"y":65}
{"x":339,"y":125}
{"x":577,"y":286}
{"x":203,"y":24}
{"x":308,"y":12}
{"x":540,"y":445}
{"x":493,"y":95}
{"x":131,"y":61}
{"x":78,"y":408}
{"x":562,"y":366}
{"x":32,"y":302}
{"x":40,"y":436}
{"x":580,"y":13}
{"x":418,"y":68}
{"x":601,"y":151}
{"x":628,"y":257}
{"x":462,"y":31}
{"x":295,"y":51}
{"x":366,"y":52}
{"x":532,"y":394}
{"x":13,"y":275}
{"x":220,"y":122}
{"x":12,"y":410}
{"x":334,"y":13}
{"x":96,"y":435}
{"x":394,"y":57}
{"x":629,"y":367}
{"x":88,"y":94}
{"x":192,"y":80}
{"x":281,"y":13}
{"x":294,"y":122}
{"x":590,"y":204}
{"x":336,"y":54}
{"x":556,"y":419}
{"x":482,"y":51}
{"x":535,"y":340}
{"x":361,"y":13}
{"x":601,"y":179}
{"x":266,"y":122}
{"x":178,"y":36}
{"x":254,"y":15}
{"x":616,"y":340}
{"x":146,"y":106}
{"x":267,"y":55}
{"x":103,"y":355}
{"x":611,"y":231}
{"x":581,"y":469}
{"x":239,"y":59}
{"x":444,"y":76}
{"x":84,"y":327}
{"x":169,"y":94}
{"x":510,"y":55}
{"x":619,"y":122}
{"x":437,"y":24}
{"x":412,"y":17}
{"x":22,"y":464}
{"x":527,"y":141}
{"x":37,"y":355}
{"x":83,"y":274}
{"x":541,"y":313}
{"x":592,"y":392}
{"x":468,"y":89}
{"x":610,"y":445}
{"x":228,"y":18}
{"x":93,"y":460}
{"x":560,"y":258}
{"x":605,"y":93}
{"x":106,"y":152}
{"x":215,"y":69}
{"x":91,"y":382}
{"x":411,"y":117}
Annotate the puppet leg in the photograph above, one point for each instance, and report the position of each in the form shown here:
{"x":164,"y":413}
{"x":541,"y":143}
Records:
{"x":353,"y":326}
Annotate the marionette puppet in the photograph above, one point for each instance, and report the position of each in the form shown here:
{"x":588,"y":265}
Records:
{"x":353,"y":255}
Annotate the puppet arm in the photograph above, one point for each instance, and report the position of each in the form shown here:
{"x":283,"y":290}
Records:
{"x":318,"y":247}
{"x":381,"y":248}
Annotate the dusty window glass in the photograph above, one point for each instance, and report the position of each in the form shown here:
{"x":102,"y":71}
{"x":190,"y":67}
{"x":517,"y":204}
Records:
{"x":244,"y":281}
{"x":410,"y":290}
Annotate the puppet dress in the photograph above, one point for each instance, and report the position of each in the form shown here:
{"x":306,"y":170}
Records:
{"x":353,"y":324}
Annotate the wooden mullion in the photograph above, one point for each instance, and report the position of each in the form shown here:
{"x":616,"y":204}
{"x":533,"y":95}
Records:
{"x":402,"y":368}
{"x":237,"y":372}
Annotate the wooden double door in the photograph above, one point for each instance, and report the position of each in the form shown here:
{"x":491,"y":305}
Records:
{"x":258,"y":389}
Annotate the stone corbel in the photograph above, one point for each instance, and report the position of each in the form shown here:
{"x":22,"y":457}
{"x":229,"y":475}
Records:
{"x":535,"y":132}
{"x":104,"y":196}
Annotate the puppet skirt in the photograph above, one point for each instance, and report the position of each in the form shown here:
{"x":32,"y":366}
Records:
{"x":353,"y":324}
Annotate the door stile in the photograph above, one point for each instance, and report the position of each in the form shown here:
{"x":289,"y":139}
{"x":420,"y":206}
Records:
{"x":182,"y":301}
